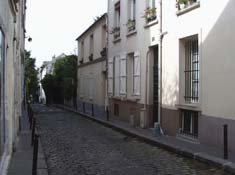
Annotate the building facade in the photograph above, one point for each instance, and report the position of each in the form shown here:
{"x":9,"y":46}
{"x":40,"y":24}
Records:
{"x":132,"y":61}
{"x":171,"y":63}
{"x":12,"y":34}
{"x":92,"y":69}
{"x":197,"y":66}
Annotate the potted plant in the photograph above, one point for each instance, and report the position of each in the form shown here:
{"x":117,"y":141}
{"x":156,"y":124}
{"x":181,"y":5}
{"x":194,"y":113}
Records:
{"x":182,"y":4}
{"x":130,"y":24}
{"x":150,"y":14}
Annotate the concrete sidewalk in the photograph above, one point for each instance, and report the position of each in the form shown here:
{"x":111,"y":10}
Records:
{"x":187,"y":149}
{"x":21,"y":161}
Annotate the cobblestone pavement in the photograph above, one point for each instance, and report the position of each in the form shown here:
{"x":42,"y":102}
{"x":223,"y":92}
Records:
{"x":77,"y":146}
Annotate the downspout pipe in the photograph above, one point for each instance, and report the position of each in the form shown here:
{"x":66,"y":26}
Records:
{"x":160,"y":66}
{"x":146,"y":80}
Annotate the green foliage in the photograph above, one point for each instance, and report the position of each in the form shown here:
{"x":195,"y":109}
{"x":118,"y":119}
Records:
{"x":49,"y":85}
{"x":183,"y":1}
{"x":31,"y":78}
{"x":63,"y":83}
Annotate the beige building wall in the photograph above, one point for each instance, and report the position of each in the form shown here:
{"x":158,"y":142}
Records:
{"x":12,"y":26}
{"x":213,"y":24}
{"x":92,"y":71}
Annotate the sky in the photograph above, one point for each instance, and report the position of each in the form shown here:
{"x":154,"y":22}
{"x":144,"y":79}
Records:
{"x":54,"y":25}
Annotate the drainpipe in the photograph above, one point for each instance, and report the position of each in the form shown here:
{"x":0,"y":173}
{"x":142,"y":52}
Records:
{"x":107,"y":50}
{"x":146,"y":80}
{"x":160,"y":66}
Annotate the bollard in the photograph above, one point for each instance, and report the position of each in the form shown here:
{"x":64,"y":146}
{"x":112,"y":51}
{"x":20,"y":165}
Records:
{"x":225,"y":141}
{"x":33,"y":132}
{"x":92,"y":110}
{"x":107,"y":114}
{"x":35,"y":155}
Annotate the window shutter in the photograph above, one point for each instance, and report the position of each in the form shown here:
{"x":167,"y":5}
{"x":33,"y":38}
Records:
{"x":116,"y":75}
{"x":136,"y":75}
{"x":90,"y":86}
{"x":81,"y":85}
{"x":123,"y":75}
{"x":110,"y":77}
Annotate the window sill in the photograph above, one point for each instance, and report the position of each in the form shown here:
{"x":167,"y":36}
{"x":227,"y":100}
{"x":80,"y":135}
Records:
{"x":189,"y":8}
{"x":189,"y":106}
{"x":151,"y":23}
{"x":117,"y":40}
{"x":133,"y":32}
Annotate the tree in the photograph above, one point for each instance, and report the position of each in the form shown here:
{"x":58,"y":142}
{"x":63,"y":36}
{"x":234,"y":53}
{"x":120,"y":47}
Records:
{"x":62,"y":84}
{"x":31,"y":77}
{"x":65,"y":71}
{"x":49,"y":85}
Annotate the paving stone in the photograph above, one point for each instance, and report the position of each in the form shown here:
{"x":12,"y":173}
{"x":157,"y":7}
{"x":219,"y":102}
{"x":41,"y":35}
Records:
{"x":74,"y":145}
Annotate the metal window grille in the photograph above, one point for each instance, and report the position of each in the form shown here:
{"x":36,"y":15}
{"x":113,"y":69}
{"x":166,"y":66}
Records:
{"x":191,"y":71}
{"x":189,"y":123}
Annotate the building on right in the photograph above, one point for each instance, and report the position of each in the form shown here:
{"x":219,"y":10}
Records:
{"x":198,"y":71}
{"x":172,"y":63}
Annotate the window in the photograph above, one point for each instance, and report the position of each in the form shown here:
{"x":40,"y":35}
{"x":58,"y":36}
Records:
{"x":110,"y":77}
{"x":116,"y":29}
{"x":82,"y":50}
{"x":130,"y":74}
{"x":91,"y":47}
{"x":116,"y":76}
{"x":191,"y":71}
{"x":132,"y":15}
{"x":91,"y":86}
{"x":150,"y":13}
{"x":81,"y":85}
{"x":189,"y":125}
{"x":116,"y":110}
{"x":103,"y":34}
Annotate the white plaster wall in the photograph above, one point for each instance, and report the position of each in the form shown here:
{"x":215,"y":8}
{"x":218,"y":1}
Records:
{"x":139,"y":42}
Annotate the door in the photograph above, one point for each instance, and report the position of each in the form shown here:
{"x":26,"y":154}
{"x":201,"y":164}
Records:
{"x":155,"y":85}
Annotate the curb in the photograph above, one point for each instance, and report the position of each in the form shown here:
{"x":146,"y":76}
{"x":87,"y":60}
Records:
{"x":199,"y":156}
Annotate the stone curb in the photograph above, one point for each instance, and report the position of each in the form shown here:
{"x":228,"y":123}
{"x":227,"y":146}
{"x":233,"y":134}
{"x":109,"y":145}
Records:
{"x":188,"y":153}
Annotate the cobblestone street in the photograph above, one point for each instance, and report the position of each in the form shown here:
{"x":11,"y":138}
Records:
{"x":74,"y":145}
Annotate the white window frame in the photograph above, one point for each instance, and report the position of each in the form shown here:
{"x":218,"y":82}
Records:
{"x":116,"y":76}
{"x":91,"y":86}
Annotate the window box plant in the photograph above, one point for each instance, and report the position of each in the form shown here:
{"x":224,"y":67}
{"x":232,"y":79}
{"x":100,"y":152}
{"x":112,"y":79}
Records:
{"x":103,"y":53}
{"x":116,"y":32}
{"x":150,"y":14}
{"x":90,"y":57}
{"x":130,"y":25}
{"x":81,"y":61}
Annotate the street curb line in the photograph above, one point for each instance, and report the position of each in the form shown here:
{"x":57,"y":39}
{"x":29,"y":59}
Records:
{"x":199,"y":156}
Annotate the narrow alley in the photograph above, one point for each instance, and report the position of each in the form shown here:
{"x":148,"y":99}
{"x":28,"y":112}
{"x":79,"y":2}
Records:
{"x":76,"y":145}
